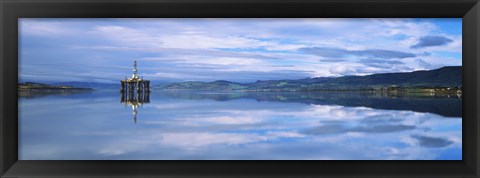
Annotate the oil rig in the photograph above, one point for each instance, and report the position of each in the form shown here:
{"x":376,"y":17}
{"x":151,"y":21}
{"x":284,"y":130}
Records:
{"x":135,"y":83}
{"x":135,"y":91}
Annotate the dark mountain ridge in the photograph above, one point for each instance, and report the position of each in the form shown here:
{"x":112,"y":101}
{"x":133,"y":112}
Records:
{"x":444,"y":77}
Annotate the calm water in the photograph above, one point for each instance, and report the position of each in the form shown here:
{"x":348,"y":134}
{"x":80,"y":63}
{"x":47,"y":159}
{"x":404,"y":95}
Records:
{"x":233,"y":126}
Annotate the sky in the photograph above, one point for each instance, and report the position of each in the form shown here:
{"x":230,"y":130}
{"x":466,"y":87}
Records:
{"x":239,"y":50}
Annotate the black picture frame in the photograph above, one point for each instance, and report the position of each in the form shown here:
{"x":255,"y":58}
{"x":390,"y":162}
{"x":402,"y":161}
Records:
{"x":11,"y":10}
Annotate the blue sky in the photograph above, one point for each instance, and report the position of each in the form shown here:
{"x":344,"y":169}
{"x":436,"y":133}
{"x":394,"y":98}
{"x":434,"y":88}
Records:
{"x":240,"y":50}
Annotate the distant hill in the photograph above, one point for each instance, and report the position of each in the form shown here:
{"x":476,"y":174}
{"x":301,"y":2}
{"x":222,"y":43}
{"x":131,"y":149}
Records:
{"x":442,"y":77}
{"x":33,"y":86}
{"x":216,"y":85}
{"x":93,"y":85}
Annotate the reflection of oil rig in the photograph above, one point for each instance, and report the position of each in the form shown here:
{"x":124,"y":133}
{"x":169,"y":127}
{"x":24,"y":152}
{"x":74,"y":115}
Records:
{"x":135,"y":91}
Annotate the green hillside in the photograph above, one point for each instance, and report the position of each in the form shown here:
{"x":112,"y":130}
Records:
{"x":439,"y":78}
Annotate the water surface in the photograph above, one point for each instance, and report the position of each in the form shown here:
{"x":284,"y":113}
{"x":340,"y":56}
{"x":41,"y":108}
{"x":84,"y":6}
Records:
{"x":237,"y":126}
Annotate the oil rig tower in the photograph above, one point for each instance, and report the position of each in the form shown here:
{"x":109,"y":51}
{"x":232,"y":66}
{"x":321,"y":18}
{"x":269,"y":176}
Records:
{"x":135,"y":91}
{"x":135,"y":83}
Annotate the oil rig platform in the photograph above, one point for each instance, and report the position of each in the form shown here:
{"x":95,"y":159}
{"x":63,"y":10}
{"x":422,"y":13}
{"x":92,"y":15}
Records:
{"x":135,"y":83}
{"x":135,"y":91}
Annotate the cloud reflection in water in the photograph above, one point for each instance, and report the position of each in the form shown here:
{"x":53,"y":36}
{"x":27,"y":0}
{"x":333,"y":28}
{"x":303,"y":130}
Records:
{"x":172,"y":127}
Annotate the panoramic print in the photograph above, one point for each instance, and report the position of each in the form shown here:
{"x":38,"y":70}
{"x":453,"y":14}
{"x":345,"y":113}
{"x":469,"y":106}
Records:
{"x":240,"y":89}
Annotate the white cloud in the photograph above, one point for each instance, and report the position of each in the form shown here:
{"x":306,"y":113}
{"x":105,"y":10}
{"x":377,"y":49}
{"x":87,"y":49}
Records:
{"x":44,"y":28}
{"x":222,"y":61}
{"x":232,"y":120}
{"x":241,"y":45}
